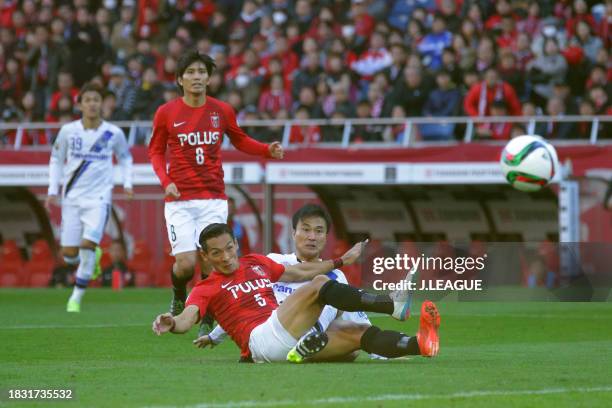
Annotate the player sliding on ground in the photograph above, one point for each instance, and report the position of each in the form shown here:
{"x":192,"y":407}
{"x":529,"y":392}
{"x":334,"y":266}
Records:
{"x":311,"y":224}
{"x":185,"y":152}
{"x":239,"y":295}
{"x":82,"y":160}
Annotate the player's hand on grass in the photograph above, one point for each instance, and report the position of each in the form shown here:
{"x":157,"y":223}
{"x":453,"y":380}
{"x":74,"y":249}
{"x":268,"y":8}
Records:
{"x":353,"y":254}
{"x":163,"y":324}
{"x":276,"y":150}
{"x":204,"y":341}
{"x":50,"y":200}
{"x":172,"y":191}
{"x":129,"y":193}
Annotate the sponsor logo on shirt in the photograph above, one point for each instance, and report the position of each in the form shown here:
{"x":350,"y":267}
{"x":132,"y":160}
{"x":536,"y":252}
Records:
{"x":249,"y":286}
{"x":198,"y":138}
{"x":282,"y":289}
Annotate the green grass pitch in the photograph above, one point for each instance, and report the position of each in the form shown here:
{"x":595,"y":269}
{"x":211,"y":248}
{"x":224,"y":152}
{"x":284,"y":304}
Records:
{"x":527,"y":354}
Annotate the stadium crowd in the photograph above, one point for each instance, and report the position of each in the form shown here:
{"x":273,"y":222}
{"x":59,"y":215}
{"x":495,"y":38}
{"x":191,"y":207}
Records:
{"x":305,"y":59}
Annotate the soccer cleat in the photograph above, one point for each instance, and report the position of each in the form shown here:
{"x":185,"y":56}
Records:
{"x":97,"y":268}
{"x":177,"y":306}
{"x":73,"y":306}
{"x":402,"y":298}
{"x":308,"y":346}
{"x":427,"y":336}
{"x":206,"y":325}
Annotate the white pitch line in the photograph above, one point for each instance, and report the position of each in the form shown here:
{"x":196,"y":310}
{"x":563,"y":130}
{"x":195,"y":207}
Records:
{"x":397,"y":397}
{"x":82,"y":326}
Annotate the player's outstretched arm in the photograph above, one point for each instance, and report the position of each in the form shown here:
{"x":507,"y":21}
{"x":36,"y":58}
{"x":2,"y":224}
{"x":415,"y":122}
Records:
{"x":165,"y":322}
{"x":307,"y":270}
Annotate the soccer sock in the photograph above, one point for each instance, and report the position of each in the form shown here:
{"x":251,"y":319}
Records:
{"x":179,"y":286}
{"x":351,"y":299}
{"x":389,"y":343}
{"x":72,"y":260}
{"x":83,"y":273}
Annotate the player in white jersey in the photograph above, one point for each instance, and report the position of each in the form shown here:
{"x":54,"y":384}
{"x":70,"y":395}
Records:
{"x":310,"y":227}
{"x":82,"y":161}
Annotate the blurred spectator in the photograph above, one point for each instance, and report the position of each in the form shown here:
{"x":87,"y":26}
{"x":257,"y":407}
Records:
{"x":531,"y":24}
{"x":338,"y":101}
{"x":555,"y":130}
{"x":110,"y":112}
{"x":395,"y":133}
{"x":433,"y":43}
{"x":583,"y":129}
{"x":308,"y":99}
{"x":511,"y":73}
{"x":545,"y":70}
{"x":148,"y":96}
{"x":445,"y":100}
{"x":65,"y":87}
{"x":495,"y":130}
{"x":479,"y":98}
{"x":308,"y":75}
{"x":579,"y":14}
{"x":374,"y":59}
{"x":122,"y":37}
{"x":118,"y":264}
{"x":366,"y":133}
{"x":306,"y":134}
{"x":586,"y":40}
{"x":85,"y":44}
{"x":485,"y":54}
{"x":411,"y":93}
{"x":44,"y":60}
{"x":503,"y":8}
{"x":274,"y":99}
{"x":398,"y":61}
{"x":124,"y":90}
{"x":522,"y":50}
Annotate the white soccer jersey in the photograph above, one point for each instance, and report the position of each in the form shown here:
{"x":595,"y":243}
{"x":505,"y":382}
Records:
{"x":82,"y":161}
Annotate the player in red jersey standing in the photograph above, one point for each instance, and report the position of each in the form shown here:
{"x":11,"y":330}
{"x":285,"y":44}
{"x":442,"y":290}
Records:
{"x":239,"y":294}
{"x":189,"y":130}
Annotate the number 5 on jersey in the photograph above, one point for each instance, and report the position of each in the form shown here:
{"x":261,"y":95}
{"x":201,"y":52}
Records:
{"x":199,"y":155}
{"x":260,"y":301}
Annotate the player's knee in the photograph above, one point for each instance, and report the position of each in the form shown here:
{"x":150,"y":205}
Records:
{"x":319,"y":281}
{"x":184,"y":267}
{"x":86,"y":244}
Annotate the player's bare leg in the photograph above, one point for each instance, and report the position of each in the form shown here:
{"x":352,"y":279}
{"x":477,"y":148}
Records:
{"x":182,"y":272}
{"x":207,"y":323}
{"x":300,"y":311}
{"x":86,"y":255}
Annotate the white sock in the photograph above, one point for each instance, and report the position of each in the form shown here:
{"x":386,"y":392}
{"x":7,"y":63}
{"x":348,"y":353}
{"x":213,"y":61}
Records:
{"x":84,"y":272}
{"x":77,"y":294}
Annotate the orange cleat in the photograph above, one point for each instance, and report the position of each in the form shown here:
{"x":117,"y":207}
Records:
{"x":427,"y":336}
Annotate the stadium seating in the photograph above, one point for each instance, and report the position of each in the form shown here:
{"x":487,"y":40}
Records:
{"x":40,"y":266}
{"x":12,"y":271}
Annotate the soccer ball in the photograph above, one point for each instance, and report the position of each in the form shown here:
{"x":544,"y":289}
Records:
{"x":529,"y":162}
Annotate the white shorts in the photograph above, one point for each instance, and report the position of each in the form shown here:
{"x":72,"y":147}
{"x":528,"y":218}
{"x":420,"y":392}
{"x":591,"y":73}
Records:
{"x":186,"y":219}
{"x":270,"y":341}
{"x":85,"y":221}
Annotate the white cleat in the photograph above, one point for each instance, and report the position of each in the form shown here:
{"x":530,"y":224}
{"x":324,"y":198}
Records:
{"x":402,"y":298}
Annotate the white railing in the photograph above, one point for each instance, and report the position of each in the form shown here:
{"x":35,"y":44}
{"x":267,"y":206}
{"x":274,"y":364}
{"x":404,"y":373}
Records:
{"x":138,"y":132}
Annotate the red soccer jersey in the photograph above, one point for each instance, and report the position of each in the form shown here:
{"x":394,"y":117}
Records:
{"x":241,"y":301}
{"x":193,"y":138}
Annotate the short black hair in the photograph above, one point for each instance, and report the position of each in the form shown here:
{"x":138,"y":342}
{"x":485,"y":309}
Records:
{"x":213,"y":231}
{"x":189,"y":58}
{"x":91,"y":87}
{"x":311,"y":210}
